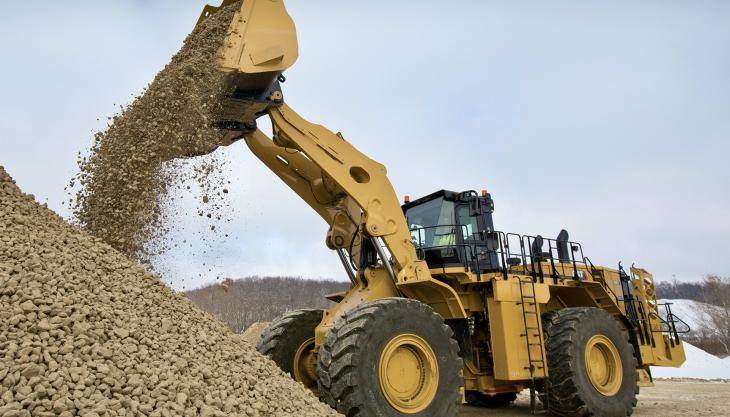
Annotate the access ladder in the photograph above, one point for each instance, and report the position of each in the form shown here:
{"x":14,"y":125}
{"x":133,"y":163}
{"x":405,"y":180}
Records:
{"x":537,"y":364}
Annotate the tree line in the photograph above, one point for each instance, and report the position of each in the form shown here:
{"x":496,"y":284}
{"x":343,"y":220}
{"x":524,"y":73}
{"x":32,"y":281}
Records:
{"x":241,"y":302}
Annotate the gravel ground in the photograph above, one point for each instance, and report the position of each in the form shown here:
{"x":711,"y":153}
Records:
{"x":668,"y":398}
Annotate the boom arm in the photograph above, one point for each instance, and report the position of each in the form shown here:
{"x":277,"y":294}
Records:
{"x":338,"y":176}
{"x":350,"y":191}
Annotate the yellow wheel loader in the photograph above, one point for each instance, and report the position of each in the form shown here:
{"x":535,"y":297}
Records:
{"x":443,"y":308}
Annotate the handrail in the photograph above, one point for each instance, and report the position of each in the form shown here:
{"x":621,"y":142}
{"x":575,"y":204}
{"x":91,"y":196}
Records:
{"x":470,"y":251}
{"x":671,"y":323}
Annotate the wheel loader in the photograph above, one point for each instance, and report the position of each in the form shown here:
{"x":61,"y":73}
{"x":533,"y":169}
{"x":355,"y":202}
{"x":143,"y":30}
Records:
{"x":443,"y":308}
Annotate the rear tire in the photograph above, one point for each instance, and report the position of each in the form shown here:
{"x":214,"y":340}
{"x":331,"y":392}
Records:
{"x":390,"y":358}
{"x":591,"y":364}
{"x":289,"y":340}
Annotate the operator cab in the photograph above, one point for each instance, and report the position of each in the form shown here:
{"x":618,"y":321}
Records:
{"x":451,"y":229}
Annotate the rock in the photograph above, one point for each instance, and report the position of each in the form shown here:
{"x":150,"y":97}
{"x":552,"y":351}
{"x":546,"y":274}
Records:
{"x":45,"y":325}
{"x":208,"y":411}
{"x":28,"y":306}
{"x":7,"y":397}
{"x":59,"y":405}
{"x":11,"y":409}
{"x":31,"y":370}
{"x":106,"y":353}
{"x":121,"y":333}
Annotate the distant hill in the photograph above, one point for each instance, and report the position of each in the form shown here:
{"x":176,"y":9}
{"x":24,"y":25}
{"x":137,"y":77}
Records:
{"x":241,"y":302}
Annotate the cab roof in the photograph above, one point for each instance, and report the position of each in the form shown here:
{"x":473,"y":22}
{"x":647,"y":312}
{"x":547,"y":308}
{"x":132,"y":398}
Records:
{"x":446,"y":194}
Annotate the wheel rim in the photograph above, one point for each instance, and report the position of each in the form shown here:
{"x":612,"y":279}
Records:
{"x":304,"y":365}
{"x":603,"y":365}
{"x":408,"y":373}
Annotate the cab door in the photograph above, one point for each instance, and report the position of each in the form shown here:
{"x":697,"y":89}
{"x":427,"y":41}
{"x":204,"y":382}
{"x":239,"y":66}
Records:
{"x":476,"y":238}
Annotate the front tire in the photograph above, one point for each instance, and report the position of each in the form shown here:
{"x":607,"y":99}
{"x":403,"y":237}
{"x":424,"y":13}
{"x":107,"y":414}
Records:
{"x":389,"y":358}
{"x":591,"y":364}
{"x":289,"y":341}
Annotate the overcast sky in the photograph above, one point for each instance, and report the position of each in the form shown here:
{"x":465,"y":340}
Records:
{"x":608,"y":119}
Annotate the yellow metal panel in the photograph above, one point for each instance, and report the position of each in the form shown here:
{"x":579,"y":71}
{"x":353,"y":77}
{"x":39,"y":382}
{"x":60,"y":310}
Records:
{"x":647,"y":354}
{"x":509,"y":290}
{"x":379,"y":286}
{"x":509,"y":349}
{"x":441,"y":297}
{"x":262,"y":38}
{"x":487,"y":385}
{"x":643,"y":379}
{"x":267,"y":55}
{"x":672,"y":356}
{"x":660,"y":349}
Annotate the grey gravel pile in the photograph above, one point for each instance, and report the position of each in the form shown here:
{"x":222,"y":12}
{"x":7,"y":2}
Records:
{"x":85,"y":331}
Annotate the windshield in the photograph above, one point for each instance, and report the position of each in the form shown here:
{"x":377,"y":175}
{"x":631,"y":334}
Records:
{"x":432,"y":223}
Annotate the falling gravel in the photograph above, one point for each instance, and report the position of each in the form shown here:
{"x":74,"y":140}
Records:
{"x":87,"y":332}
{"x":122,"y":193}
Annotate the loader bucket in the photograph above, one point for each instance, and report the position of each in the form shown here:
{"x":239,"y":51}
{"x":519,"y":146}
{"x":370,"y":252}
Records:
{"x":261,"y":43}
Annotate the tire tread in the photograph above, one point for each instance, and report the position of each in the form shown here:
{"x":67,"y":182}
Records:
{"x":561,"y":329}
{"x":343,"y":347}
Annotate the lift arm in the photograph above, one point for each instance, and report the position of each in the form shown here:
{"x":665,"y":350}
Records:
{"x":350,"y":191}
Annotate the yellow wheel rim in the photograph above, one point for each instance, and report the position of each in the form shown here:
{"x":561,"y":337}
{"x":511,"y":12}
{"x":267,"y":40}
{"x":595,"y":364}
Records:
{"x":603,"y":365}
{"x":304,"y":365}
{"x":409,"y":373}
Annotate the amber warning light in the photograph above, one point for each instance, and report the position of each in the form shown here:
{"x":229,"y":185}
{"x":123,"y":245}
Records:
{"x":406,"y":199}
{"x":484,"y":193}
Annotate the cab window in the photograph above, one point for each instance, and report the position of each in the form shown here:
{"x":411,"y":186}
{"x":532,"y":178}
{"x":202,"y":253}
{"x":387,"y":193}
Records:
{"x":468,"y":223}
{"x":432,"y":223}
